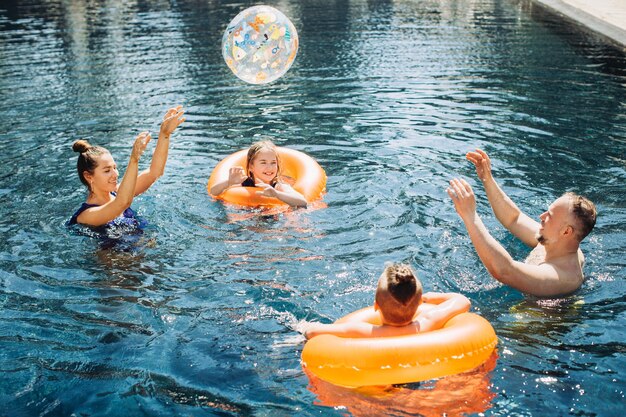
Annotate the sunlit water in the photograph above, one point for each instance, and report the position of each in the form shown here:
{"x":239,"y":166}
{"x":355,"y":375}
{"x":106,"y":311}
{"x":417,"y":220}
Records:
{"x":195,"y":316}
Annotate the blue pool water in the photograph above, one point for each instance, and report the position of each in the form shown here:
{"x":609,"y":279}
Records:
{"x":195,"y":316}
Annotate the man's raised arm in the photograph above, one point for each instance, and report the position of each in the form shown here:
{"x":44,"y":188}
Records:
{"x":540,"y":280}
{"x":507,"y":213}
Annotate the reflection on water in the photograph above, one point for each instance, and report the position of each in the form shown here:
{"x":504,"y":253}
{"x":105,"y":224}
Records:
{"x":191,"y":317}
{"x":550,"y":315}
{"x":456,"y":395}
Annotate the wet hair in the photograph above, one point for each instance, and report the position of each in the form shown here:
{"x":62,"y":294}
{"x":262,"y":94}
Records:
{"x":87,"y":158}
{"x":399,"y":293}
{"x":585,"y":213}
{"x":254,"y":150}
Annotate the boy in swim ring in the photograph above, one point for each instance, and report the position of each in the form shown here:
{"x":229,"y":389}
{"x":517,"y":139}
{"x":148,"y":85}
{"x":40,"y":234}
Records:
{"x":106,"y":201}
{"x":399,"y":302}
{"x":262,"y":170}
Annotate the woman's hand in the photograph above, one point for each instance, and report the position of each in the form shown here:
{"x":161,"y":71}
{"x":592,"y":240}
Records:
{"x":172,"y":119}
{"x":236,"y":176}
{"x":482,"y":163}
{"x":141,"y":141}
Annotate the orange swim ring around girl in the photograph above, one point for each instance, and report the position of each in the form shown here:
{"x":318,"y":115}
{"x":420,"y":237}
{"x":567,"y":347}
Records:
{"x":464,"y":343}
{"x":309,"y":178}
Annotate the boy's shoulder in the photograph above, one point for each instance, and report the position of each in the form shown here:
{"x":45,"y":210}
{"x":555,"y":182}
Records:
{"x":424,"y":307}
{"x":393,"y":331}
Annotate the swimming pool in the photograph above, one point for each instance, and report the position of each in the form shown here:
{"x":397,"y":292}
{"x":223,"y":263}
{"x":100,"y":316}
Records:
{"x":196,"y":317}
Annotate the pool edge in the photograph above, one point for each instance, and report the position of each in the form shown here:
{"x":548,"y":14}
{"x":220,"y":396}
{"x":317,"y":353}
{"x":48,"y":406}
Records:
{"x":582,"y":13}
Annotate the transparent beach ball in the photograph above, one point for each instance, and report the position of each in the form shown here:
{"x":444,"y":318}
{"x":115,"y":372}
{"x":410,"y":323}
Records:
{"x":260,"y":44}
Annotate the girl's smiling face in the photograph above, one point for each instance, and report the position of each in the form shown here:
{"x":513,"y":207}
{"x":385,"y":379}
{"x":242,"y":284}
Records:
{"x":264,"y":166}
{"x":105,"y":175}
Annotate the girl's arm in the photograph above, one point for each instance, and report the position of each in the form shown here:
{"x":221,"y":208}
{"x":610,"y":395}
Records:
{"x":236,"y":176}
{"x":97,"y":216}
{"x":284,"y":193}
{"x":172,"y":119}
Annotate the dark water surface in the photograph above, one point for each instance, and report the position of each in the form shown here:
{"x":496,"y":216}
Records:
{"x":195,"y":318}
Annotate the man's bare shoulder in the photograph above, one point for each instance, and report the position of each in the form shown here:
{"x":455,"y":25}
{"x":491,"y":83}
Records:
{"x":581,"y":258}
{"x":537,"y":256}
{"x":568,"y":268}
{"x":571,"y":265}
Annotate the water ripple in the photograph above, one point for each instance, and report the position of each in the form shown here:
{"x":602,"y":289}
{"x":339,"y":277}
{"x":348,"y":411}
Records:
{"x":197,"y":316}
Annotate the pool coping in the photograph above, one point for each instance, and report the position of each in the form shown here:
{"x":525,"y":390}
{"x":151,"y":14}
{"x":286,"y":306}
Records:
{"x":585,"y":12}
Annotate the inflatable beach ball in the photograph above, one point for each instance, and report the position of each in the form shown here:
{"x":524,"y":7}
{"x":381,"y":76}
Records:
{"x":260,"y":44}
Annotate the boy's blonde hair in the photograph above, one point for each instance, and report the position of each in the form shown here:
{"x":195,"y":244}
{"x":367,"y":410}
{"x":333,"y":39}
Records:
{"x":257,"y":147}
{"x":398,"y":295}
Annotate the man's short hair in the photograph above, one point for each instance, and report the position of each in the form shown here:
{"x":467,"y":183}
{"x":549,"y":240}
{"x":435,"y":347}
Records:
{"x":399,"y":294}
{"x":585,"y":213}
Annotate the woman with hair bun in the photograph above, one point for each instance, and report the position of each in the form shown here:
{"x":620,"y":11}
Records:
{"x":108,"y":203}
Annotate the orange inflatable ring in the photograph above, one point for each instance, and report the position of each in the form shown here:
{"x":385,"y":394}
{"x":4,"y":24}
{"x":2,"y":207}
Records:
{"x":464,"y":343}
{"x":310,"y":178}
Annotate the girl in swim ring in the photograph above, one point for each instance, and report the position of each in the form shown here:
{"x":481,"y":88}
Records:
{"x":263,"y":171}
{"x":108,"y":203}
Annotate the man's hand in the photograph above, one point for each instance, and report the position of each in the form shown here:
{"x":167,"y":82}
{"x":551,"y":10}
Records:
{"x":482,"y":163}
{"x":463,"y":198}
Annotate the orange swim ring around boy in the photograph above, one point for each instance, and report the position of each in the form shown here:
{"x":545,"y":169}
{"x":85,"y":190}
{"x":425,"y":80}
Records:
{"x":464,"y":343}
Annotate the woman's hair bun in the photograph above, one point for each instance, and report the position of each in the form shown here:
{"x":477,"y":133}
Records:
{"x":81,"y":145}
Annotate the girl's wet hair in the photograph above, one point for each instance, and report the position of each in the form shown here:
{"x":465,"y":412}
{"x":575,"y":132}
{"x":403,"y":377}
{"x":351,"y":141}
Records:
{"x":87,"y":158}
{"x":254,"y":150}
